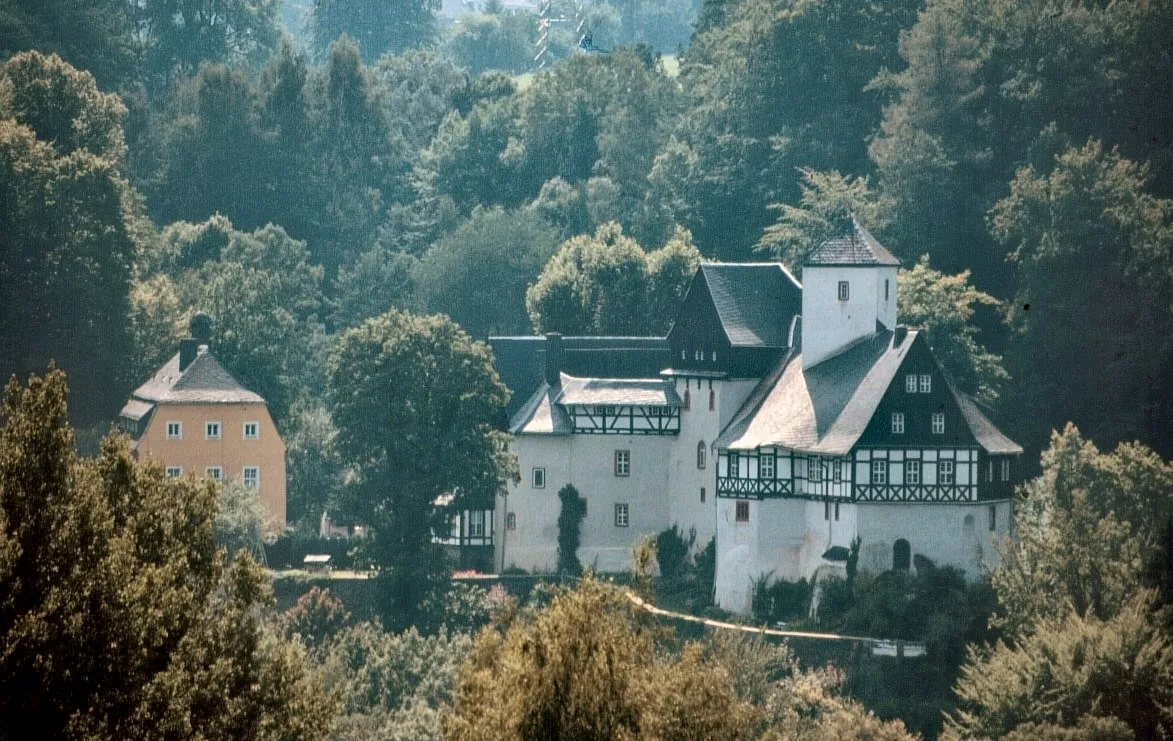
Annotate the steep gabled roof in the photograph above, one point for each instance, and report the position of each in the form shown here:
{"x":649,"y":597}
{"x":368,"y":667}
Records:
{"x":204,"y":381}
{"x":540,"y":415}
{"x":754,"y":301}
{"x":823,"y":409}
{"x":857,"y":249}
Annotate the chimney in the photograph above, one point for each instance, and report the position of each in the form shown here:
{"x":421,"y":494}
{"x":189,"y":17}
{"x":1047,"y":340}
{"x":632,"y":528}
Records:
{"x":553,"y":358}
{"x":200,"y":331}
{"x":898,"y":336}
{"x":188,"y":349}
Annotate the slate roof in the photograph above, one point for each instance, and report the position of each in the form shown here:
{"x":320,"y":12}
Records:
{"x":539,"y":415}
{"x":204,"y":381}
{"x":754,"y":301}
{"x":521,"y":361}
{"x":626,"y":392}
{"x":823,"y":409}
{"x":136,"y":409}
{"x":987,"y":435}
{"x":857,"y":249}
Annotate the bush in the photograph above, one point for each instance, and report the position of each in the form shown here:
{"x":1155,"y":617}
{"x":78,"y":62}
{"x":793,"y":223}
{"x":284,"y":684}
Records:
{"x":569,"y":525}
{"x":780,"y":600}
{"x":672,"y":550}
{"x":291,"y":548}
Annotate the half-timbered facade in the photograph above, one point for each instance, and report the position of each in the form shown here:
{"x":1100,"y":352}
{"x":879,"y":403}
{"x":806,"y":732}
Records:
{"x":784,"y":420}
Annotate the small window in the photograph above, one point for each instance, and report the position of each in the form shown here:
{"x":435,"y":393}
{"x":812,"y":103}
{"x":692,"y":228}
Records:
{"x":879,"y":472}
{"x":476,"y":523}
{"x":901,"y":555}
{"x":252,"y":477}
{"x":898,"y":423}
{"x":911,"y":472}
{"x":687,"y":400}
{"x":215,"y":473}
{"x":992,"y":516}
{"x":885,"y":289}
{"x":814,"y":468}
{"x":1005,"y":469}
{"x":938,"y":423}
{"x":700,"y":454}
{"x":699,"y":355}
{"x":766,"y":466}
{"x":827,"y":511}
{"x":511,"y":521}
{"x":684,"y":355}
{"x":734,"y":471}
{"x":174,"y":472}
{"x":714,"y":356}
{"x":211,"y":430}
{"x":620,"y":515}
{"x":622,"y":462}
{"x":252,"y":430}
{"x":945,"y":473}
{"x":174,"y":430}
{"x":836,"y":511}
{"x":837,"y":470}
{"x":712,"y":400}
{"x":742,"y":510}
{"x":539,"y":478}
{"x":990,"y":470}
{"x":910,"y":383}
{"x":926,"y":383}
{"x":844,"y":290}
{"x":702,"y":495}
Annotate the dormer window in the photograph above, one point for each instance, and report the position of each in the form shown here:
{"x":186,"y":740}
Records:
{"x":910,"y":383}
{"x":926,"y":383}
{"x":844,"y":290}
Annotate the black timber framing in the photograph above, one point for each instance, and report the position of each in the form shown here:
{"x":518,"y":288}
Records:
{"x":622,"y":420}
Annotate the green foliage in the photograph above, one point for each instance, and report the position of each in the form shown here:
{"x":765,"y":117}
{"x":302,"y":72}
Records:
{"x":313,"y":468}
{"x":417,"y":405}
{"x":478,"y":274}
{"x":377,"y":280}
{"x":777,"y":600}
{"x":89,"y":35}
{"x":501,"y":41}
{"x":570,"y":518}
{"x":1085,"y":530}
{"x":288,"y":550}
{"x":672,"y":550}
{"x":240,"y":521}
{"x":944,"y":306}
{"x":1072,"y":667}
{"x":1091,"y":209}
{"x":394,"y":686}
{"x":315,"y":619}
{"x":119,"y":617}
{"x":180,"y":34}
{"x":68,"y":230}
{"x":606,"y":284}
{"x":377,"y":26}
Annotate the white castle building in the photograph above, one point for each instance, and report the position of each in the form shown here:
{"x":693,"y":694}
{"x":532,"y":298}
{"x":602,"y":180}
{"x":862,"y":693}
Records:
{"x":782,"y":419}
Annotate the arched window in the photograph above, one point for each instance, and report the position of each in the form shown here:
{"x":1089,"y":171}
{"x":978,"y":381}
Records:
{"x":901,"y":555}
{"x":700,"y":454}
{"x":687,"y":399}
{"x":712,"y":399}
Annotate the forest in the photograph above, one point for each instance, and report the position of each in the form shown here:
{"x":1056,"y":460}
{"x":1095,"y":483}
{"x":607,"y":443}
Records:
{"x":326,"y":177}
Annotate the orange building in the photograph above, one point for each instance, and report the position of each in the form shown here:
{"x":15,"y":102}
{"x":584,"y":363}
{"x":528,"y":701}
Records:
{"x":194,"y":417}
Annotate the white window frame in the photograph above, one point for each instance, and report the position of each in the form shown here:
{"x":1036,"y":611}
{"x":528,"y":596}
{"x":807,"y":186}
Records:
{"x":912,"y":471}
{"x":938,"y":423}
{"x":208,"y":430}
{"x":946,"y":473}
{"x":767,"y":467}
{"x":910,"y":383}
{"x":623,"y":462}
{"x":538,"y":472}
{"x":844,"y":290}
{"x":1005,"y":469}
{"x":256,"y":430}
{"x":476,"y":523}
{"x":216,"y":473}
{"x":879,"y":472}
{"x":897,"y":423}
{"x":622,"y":514}
{"x":814,"y":469}
{"x":244,"y":477}
{"x":174,"y":472}
{"x":926,"y":383}
{"x":178,"y":434}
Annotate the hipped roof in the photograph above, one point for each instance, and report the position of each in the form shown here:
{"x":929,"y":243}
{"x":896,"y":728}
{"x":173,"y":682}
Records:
{"x":204,"y":381}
